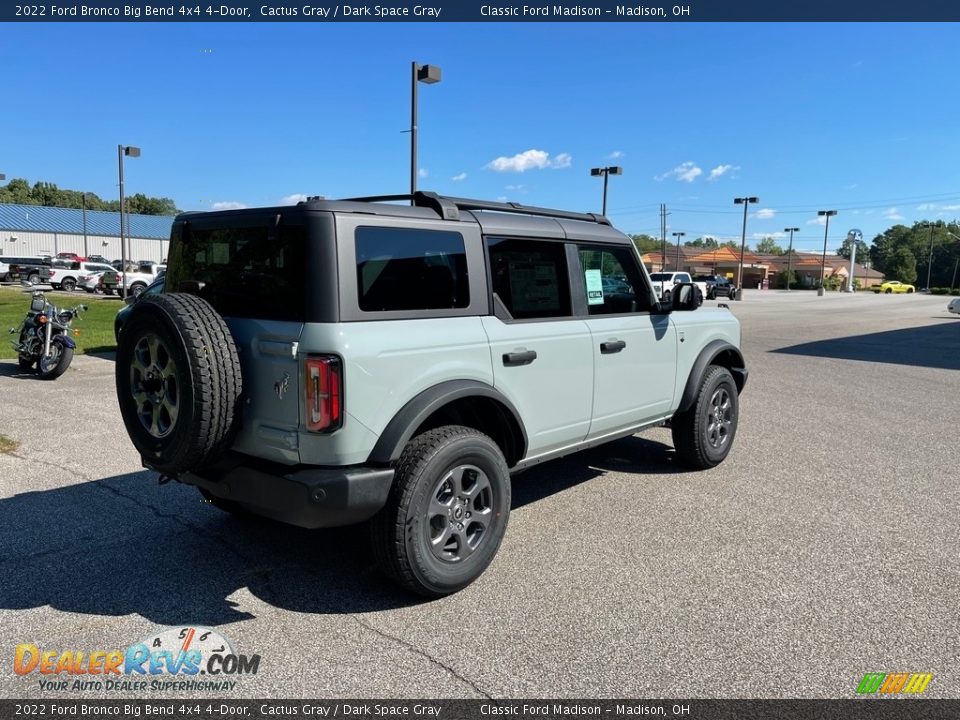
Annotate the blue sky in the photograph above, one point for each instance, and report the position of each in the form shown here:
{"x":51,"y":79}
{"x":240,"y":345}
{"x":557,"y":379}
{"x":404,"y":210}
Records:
{"x":859,"y":117}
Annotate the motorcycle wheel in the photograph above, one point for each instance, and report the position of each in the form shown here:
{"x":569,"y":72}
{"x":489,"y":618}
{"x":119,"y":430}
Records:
{"x":56,"y":363}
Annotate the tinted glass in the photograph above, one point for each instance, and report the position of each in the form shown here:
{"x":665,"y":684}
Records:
{"x":407,"y":269}
{"x":243,"y":272}
{"x":613,"y":280}
{"x":530,"y":278}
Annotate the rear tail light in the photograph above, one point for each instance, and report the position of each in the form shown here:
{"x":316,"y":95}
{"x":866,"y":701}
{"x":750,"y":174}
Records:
{"x":49,"y":273}
{"x":324,"y":385}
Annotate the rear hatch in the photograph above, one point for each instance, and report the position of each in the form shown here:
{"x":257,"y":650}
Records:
{"x":252,"y":269}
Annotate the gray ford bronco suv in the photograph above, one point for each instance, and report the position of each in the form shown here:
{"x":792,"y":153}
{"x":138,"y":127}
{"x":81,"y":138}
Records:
{"x":356,"y":360}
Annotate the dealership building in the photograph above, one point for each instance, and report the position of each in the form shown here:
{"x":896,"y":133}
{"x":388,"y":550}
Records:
{"x":35,"y":230}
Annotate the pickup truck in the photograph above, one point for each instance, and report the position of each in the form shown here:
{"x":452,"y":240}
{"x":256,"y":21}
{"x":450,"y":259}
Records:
{"x":66,"y":276}
{"x":716,"y":285}
{"x":136,"y":279}
{"x":663,"y":283}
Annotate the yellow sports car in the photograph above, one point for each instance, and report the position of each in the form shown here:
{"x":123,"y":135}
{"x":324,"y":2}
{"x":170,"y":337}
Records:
{"x":894,"y":286}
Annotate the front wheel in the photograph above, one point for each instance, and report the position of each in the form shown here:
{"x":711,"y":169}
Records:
{"x":56,"y":363}
{"x":703,"y":435}
{"x":909,"y":290}
{"x":888,"y":291}
{"x":447,"y":511}
{"x":33,"y":278}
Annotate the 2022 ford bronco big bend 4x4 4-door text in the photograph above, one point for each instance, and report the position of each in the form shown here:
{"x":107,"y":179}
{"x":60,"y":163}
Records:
{"x":343,"y":361}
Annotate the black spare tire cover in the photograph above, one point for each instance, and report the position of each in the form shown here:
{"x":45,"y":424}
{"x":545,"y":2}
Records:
{"x":178,"y":381}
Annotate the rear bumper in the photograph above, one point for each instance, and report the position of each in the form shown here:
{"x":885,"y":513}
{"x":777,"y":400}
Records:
{"x":306,"y":496}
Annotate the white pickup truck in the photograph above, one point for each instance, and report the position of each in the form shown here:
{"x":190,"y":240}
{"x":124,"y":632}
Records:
{"x":137,"y":277}
{"x":663,"y":283}
{"x":67,"y":276}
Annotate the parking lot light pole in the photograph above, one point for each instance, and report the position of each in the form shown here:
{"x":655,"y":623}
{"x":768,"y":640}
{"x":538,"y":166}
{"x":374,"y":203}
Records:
{"x":790,"y":254}
{"x":85,"y":252}
{"x":122,"y":151}
{"x":427,"y":74}
{"x":746,"y":202}
{"x":605,"y":172}
{"x":678,"y":235}
{"x":930,"y":258}
{"x":957,"y":263}
{"x":823,"y":259}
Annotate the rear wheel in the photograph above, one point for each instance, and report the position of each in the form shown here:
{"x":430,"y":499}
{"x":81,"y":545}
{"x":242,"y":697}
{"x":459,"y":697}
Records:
{"x":69,"y":285}
{"x":33,"y":278}
{"x":447,"y":511}
{"x":888,"y":291}
{"x":137,"y":289}
{"x":703,"y":435}
{"x":909,"y":290}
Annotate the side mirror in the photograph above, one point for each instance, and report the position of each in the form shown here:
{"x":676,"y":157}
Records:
{"x":684,"y":297}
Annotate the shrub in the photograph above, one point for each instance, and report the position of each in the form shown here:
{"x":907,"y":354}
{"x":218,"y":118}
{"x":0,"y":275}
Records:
{"x":939,"y":291}
{"x":955,"y":291}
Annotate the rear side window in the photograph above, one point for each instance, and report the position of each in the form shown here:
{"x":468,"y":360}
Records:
{"x":613,"y":280}
{"x":245,"y":271}
{"x":530,"y":278}
{"x":407,"y":269}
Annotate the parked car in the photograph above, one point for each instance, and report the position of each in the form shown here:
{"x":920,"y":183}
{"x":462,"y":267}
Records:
{"x":893,"y":286}
{"x":954,"y":306}
{"x":664,"y":282}
{"x":128,"y":302}
{"x":69,"y":256}
{"x":67,"y":278}
{"x":137,"y":277}
{"x":32,"y":269}
{"x":334,"y":362}
{"x":716,"y":285}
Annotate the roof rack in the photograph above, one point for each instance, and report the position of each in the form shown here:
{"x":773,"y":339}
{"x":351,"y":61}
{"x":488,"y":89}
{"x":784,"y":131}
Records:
{"x":448,"y":207}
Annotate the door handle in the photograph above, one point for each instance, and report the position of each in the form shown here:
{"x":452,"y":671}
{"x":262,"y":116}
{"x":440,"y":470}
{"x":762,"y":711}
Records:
{"x":519,"y":358}
{"x":612,"y":346}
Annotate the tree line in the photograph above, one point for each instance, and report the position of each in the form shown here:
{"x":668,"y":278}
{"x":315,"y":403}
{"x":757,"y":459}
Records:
{"x":900,"y":252}
{"x":20,"y":192}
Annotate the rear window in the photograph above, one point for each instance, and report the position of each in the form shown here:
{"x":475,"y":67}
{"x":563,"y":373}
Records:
{"x":244,"y":272}
{"x":406,"y":269}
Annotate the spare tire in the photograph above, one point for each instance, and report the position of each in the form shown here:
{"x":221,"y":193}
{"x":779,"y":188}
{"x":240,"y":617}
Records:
{"x":178,"y":381}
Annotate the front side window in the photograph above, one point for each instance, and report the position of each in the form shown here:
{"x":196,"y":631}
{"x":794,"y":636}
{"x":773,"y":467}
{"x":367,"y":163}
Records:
{"x":530,"y":278}
{"x":407,"y":269}
{"x":613,"y":281}
{"x":245,"y":271}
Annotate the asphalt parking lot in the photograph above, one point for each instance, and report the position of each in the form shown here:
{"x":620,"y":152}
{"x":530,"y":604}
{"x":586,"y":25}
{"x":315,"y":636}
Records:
{"x":825,"y":547}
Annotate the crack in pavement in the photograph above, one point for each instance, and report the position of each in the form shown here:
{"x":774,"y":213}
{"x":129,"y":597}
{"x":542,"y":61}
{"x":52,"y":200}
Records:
{"x":422,"y":653}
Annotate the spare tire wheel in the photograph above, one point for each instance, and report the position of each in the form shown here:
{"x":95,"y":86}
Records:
{"x":178,"y":381}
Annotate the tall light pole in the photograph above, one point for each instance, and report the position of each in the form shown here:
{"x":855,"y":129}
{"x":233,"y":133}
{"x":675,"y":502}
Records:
{"x":85,"y":253}
{"x":606,"y":171}
{"x":746,"y":202}
{"x":790,"y":254}
{"x":826,"y":229}
{"x":678,"y":235}
{"x":428,"y":74}
{"x":957,"y":263}
{"x":930,"y":259}
{"x":128,"y":151}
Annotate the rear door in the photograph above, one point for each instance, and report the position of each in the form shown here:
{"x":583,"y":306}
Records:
{"x":541,"y":353}
{"x":634,"y":349}
{"x":252,"y":270}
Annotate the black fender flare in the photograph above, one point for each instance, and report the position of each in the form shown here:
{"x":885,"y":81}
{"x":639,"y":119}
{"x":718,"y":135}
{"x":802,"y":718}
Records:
{"x":704,"y":360}
{"x":400,"y":429}
{"x":64,"y":340}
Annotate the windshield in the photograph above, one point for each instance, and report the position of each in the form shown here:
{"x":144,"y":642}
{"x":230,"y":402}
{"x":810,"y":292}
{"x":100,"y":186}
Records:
{"x":660,"y":276}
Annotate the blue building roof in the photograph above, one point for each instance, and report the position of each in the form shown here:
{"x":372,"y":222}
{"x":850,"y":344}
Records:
{"x":38,"y":218}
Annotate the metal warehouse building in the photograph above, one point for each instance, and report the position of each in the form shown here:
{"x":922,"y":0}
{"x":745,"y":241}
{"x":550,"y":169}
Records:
{"x":29,"y":230}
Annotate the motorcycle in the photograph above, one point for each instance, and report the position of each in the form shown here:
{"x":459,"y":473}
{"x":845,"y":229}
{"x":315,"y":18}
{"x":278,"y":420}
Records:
{"x":44,"y":337}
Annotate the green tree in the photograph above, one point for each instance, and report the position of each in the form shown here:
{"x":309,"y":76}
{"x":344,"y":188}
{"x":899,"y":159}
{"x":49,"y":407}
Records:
{"x":646,"y":243}
{"x":863,"y":250}
{"x":769,"y":246}
{"x":901,"y":265}
{"x":782,"y":277}
{"x":19,"y":192}
{"x":707,"y":242}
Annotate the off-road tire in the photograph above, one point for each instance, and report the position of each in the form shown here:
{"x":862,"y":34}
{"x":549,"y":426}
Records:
{"x":206,"y":383}
{"x":400,"y":530}
{"x":692,"y":428}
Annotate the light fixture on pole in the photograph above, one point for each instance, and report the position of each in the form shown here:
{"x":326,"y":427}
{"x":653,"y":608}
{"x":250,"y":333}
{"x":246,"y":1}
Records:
{"x":746,"y":202}
{"x":790,"y":254}
{"x":678,"y":235}
{"x":827,"y":214}
{"x":605,"y":172}
{"x":428,"y":74}
{"x":2,"y":176}
{"x":124,"y":151}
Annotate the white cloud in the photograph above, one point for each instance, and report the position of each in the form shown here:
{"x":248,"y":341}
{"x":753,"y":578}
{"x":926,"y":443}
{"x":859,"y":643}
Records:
{"x":892,"y":214}
{"x":720,"y":170}
{"x":529,"y":160}
{"x":502,"y":198}
{"x":687,"y":172}
{"x":765,"y":214}
{"x":516,"y":188}
{"x":852,"y":186}
{"x":459,"y":177}
{"x":926,"y":206}
{"x":228,"y":205}
{"x":818,"y":220}
{"x":950,"y":207}
{"x":616,"y":155}
{"x":293,"y":199}
{"x":423,"y":172}
{"x":775,"y":235}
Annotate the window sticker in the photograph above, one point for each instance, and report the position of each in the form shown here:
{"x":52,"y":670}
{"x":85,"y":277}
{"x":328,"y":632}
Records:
{"x":594,"y":280}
